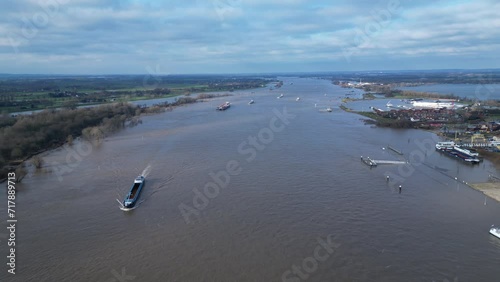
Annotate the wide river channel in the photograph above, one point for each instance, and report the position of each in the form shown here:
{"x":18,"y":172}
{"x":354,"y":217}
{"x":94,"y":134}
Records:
{"x":270,"y":191}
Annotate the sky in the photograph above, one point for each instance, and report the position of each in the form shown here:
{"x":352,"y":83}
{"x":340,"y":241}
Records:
{"x":246,"y":36}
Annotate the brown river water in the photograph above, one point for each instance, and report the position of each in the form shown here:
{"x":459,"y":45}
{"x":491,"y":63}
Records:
{"x":273,"y":191}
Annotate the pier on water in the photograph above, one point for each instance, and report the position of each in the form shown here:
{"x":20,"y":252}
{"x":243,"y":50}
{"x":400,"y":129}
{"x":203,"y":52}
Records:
{"x":368,"y":161}
{"x":371,"y":162}
{"x":494,"y":178}
{"x":395,"y":150}
{"x":388,"y":162}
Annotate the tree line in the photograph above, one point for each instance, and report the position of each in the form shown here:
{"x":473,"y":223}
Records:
{"x":31,"y":134}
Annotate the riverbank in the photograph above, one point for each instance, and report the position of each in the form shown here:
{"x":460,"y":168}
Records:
{"x":491,"y":189}
{"x":378,"y":120}
{"x":21,"y":94}
{"x":372,"y":118}
{"x":31,"y":135}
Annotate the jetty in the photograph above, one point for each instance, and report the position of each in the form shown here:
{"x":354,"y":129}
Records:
{"x":494,"y":178}
{"x":388,"y":162}
{"x":368,"y":161}
{"x":395,"y":150}
{"x":372,"y":162}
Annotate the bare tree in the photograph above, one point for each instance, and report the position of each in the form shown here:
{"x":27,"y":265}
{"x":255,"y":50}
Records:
{"x":37,"y":161}
{"x":21,"y":172}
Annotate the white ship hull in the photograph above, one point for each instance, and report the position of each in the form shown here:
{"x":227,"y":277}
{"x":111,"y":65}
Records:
{"x":469,"y":152}
{"x":495,"y":231}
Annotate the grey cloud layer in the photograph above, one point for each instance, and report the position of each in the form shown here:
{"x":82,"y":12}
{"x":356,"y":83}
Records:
{"x":58,"y":36}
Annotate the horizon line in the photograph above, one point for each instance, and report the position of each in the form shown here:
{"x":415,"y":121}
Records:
{"x":255,"y":73}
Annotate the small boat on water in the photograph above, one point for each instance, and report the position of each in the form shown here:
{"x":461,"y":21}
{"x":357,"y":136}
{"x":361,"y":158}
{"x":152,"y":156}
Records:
{"x":298,"y":98}
{"x":224,"y":106}
{"x":280,"y":96}
{"x":329,"y":109}
{"x":495,"y":231}
{"x":134,"y":193}
{"x":251,"y":102}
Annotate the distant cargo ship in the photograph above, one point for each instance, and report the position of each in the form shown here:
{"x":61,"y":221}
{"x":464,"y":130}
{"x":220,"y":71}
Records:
{"x":224,"y":106}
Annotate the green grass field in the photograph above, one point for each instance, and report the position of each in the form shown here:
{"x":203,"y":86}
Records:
{"x":19,"y":94}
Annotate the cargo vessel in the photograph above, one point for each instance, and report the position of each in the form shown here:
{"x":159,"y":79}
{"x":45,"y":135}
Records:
{"x":224,"y":106}
{"x":134,"y":193}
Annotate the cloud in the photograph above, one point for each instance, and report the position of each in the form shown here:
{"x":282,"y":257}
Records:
{"x":112,"y":36}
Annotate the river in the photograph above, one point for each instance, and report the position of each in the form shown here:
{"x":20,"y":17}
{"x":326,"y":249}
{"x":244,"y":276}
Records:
{"x":292,"y":200}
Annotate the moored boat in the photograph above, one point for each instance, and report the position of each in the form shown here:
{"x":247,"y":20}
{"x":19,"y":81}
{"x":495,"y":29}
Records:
{"x":134,"y":193}
{"x":329,"y":109}
{"x":456,"y":154}
{"x":448,"y":145}
{"x":468,"y":152}
{"x":251,"y":102}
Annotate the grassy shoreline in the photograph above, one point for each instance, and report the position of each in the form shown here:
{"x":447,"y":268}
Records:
{"x":380,"y":121}
{"x":60,"y":106}
{"x":27,"y":95}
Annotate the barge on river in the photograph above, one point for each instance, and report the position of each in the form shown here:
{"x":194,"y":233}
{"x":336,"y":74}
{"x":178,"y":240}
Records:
{"x":134,"y":193}
{"x":453,"y":150}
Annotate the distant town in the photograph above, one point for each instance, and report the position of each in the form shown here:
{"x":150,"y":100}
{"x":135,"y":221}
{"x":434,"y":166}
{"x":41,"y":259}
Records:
{"x":467,"y":121}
